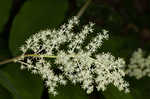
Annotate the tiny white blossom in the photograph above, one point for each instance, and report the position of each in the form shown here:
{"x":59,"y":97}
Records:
{"x":76,"y":63}
{"x":139,"y":65}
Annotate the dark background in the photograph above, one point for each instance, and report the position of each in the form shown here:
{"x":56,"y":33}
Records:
{"x":128,"y":23}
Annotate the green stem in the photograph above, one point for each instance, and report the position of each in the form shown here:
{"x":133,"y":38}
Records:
{"x":36,"y":55}
{"x":26,"y":55}
{"x":82,"y":10}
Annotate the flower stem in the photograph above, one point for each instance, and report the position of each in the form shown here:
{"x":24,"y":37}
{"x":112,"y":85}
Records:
{"x":9,"y":60}
{"x":83,"y":8}
{"x":26,"y":55}
{"x":41,"y":55}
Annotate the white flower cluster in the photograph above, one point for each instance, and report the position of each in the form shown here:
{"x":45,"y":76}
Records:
{"x":77,"y":63}
{"x":139,"y":66}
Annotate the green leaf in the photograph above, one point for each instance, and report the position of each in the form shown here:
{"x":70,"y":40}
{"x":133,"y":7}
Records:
{"x":4,"y":93}
{"x":5,"y":6}
{"x":4,"y":81}
{"x":113,"y":93}
{"x":120,"y":46}
{"x":34,"y":16}
{"x":70,"y":92}
{"x":22,"y":84}
{"x":4,"y":51}
{"x":140,"y":88}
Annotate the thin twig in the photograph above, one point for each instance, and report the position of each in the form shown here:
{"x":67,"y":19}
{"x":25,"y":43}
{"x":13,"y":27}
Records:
{"x":83,"y":8}
{"x":9,"y":60}
{"x":26,"y":55}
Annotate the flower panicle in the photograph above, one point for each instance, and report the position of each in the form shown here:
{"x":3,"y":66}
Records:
{"x":139,"y":65}
{"x":75,"y":63}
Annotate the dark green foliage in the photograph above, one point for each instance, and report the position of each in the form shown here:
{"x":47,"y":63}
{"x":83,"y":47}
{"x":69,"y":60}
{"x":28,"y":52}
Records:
{"x":70,"y":92}
{"x":21,"y":84}
{"x":113,"y":93}
{"x":4,"y":93}
{"x":5,"y":6}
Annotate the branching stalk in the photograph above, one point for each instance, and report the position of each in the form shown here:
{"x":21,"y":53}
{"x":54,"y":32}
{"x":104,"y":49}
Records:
{"x":26,"y":55}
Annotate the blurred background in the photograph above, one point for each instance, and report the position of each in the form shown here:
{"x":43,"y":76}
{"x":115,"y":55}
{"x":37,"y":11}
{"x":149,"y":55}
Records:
{"x":128,"y":23}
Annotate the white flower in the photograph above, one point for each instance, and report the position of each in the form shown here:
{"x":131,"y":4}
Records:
{"x":74,"y":63}
{"x":139,"y":66}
